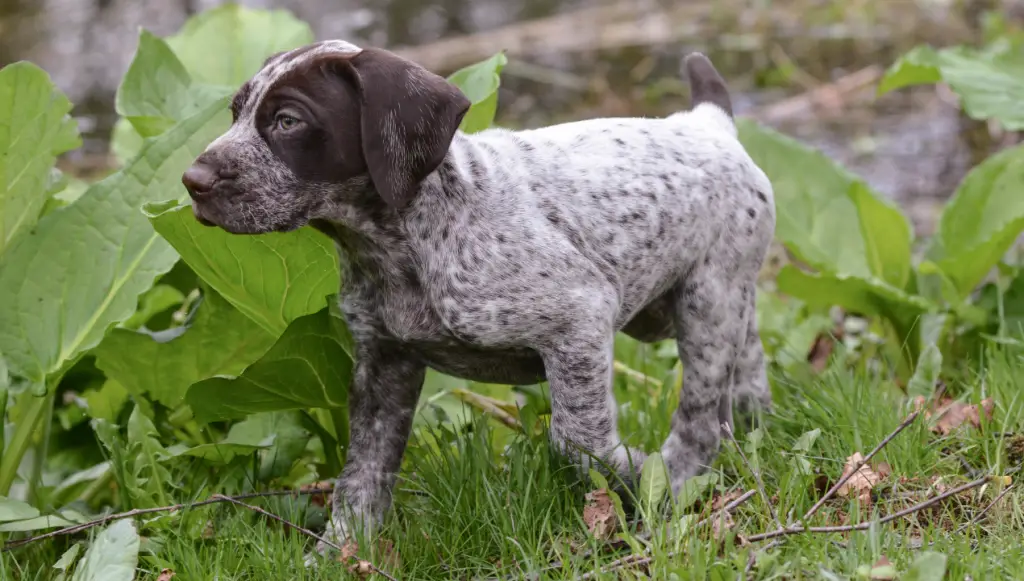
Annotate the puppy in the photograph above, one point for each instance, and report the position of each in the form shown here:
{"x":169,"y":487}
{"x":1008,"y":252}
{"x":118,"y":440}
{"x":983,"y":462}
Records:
{"x":504,"y":256}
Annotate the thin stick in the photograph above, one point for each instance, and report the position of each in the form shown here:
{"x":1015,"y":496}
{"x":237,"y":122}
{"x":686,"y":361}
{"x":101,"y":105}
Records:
{"x":302,"y":530}
{"x":978,"y":516}
{"x":856,"y":467}
{"x":752,"y":559}
{"x":644,"y":559}
{"x":170,"y":508}
{"x":757,"y":475}
{"x":797,"y":529}
{"x":640,"y":560}
{"x":627,"y":561}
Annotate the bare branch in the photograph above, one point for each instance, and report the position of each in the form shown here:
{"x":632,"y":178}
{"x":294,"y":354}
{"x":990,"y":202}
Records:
{"x":302,"y":530}
{"x":978,"y":516}
{"x":170,"y":508}
{"x":639,"y":560}
{"x":857,"y":466}
{"x":797,"y":529}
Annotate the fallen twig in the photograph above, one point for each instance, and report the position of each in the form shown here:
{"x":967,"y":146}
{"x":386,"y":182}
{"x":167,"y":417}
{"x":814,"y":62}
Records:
{"x":752,"y":559}
{"x":857,"y":466}
{"x":304,"y":531}
{"x":489,"y":406}
{"x":825,"y":96}
{"x":797,"y":529}
{"x":757,"y":475}
{"x":643,"y":559}
{"x":978,"y":516}
{"x":215,"y":499}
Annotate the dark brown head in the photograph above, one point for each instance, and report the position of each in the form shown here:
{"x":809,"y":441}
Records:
{"x":317,"y":123}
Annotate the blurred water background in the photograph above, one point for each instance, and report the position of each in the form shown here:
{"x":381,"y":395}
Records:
{"x":806,"y":67}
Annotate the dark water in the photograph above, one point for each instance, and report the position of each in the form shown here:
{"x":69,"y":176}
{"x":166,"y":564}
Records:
{"x":572,"y":59}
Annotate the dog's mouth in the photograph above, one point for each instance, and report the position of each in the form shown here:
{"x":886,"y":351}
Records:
{"x":208,"y":213}
{"x":201,"y":217}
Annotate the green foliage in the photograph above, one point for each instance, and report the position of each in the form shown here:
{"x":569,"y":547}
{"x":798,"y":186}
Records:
{"x":308,"y":367}
{"x":36,"y":128}
{"x":989,"y":81}
{"x":826,"y":216}
{"x":228,"y":44}
{"x":112,"y":556}
{"x":157,"y":91}
{"x":928,"y":566}
{"x":653,"y":483}
{"x":981,"y":221}
{"x":85,"y":266}
{"x":479,"y":82}
{"x":220,"y":340}
{"x":272,"y":278}
{"x":859,"y":245}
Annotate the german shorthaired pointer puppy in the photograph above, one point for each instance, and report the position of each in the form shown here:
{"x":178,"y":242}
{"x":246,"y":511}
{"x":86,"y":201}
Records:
{"x":504,"y":256}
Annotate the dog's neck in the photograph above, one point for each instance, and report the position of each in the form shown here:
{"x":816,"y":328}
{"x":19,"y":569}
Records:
{"x":375,"y":236}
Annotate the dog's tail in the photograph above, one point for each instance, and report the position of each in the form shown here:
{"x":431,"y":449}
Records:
{"x":708,"y":94}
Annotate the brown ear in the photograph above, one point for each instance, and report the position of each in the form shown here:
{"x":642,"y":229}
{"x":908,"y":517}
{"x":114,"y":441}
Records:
{"x":408,"y":119}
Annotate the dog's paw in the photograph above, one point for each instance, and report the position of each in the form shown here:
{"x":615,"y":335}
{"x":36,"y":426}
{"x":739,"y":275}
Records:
{"x":336,"y":535}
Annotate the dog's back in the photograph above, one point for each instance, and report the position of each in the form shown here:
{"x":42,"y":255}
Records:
{"x":640,"y":199}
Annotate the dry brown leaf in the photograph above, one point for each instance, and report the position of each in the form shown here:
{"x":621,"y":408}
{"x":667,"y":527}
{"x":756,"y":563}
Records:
{"x":166,"y":575}
{"x":317,"y":495}
{"x":362,"y":568}
{"x":720,"y":525}
{"x":820,"y":351}
{"x":861,"y":483}
{"x":883,"y":469}
{"x":919,"y":402}
{"x":721,"y":500}
{"x":599,"y":515}
{"x":348,"y":551}
{"x":952,"y":414}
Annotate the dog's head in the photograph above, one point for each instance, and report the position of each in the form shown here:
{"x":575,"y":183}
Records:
{"x":316,"y":123}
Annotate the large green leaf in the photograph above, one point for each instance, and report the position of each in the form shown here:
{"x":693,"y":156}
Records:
{"x":83,"y":267}
{"x":157,"y":91}
{"x":827,"y":216}
{"x":113,"y":556}
{"x":865,"y":296}
{"x":480,"y":82}
{"x":12,"y":510}
{"x":212,"y":55}
{"x":278,"y":437}
{"x":981,"y":221}
{"x":990,"y":82}
{"x":220,"y":340}
{"x":34,"y":129}
{"x":927,"y":566}
{"x":309,"y":367}
{"x":272,"y":278}
{"x":228,"y":44}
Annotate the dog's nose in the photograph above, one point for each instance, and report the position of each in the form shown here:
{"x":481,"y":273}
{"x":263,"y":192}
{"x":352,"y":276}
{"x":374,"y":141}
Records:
{"x":199,"y":179}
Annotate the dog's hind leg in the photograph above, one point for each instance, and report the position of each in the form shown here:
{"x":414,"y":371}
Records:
{"x":751,"y":391}
{"x":578,"y":366}
{"x":712,"y":307}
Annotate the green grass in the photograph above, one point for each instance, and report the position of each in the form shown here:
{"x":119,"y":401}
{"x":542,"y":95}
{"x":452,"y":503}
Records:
{"x":487,"y":502}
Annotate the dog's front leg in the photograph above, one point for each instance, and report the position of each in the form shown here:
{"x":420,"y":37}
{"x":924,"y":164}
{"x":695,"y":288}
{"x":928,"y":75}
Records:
{"x":382,"y":401}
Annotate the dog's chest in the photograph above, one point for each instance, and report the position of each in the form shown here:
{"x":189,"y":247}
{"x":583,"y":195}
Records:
{"x":406,"y":316}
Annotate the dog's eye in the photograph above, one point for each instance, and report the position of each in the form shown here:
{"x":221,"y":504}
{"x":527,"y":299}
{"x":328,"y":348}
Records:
{"x":286,"y":122}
